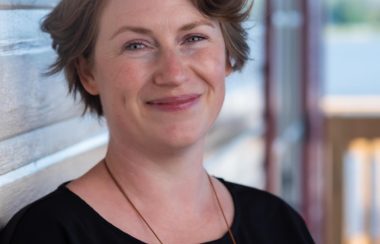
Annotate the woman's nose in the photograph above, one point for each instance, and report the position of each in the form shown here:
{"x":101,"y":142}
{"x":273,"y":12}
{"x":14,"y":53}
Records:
{"x":171,"y":69}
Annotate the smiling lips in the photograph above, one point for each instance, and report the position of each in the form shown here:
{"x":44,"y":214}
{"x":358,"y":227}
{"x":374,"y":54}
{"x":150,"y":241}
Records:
{"x":176,"y":103}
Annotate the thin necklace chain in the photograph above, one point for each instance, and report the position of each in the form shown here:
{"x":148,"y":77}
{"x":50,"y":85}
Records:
{"x":146,"y":222}
{"x":221,"y":210}
{"x":130,"y":202}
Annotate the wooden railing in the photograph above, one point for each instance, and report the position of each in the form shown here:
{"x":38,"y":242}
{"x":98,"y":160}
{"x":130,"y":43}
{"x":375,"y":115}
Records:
{"x":361,"y":192}
{"x":352,"y":128}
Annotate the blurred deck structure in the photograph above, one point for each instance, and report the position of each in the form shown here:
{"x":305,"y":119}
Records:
{"x":352,"y":146}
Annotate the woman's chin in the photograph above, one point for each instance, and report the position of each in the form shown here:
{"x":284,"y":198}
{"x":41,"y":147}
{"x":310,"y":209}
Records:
{"x":180,"y":141}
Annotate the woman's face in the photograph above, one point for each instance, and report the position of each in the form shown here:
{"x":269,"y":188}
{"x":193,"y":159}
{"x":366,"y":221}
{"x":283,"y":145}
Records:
{"x":159,"y":68}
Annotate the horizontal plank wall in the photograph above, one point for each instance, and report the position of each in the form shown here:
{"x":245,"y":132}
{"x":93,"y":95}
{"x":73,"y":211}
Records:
{"x":17,"y":4}
{"x":30,"y":183}
{"x":44,"y":140}
{"x":31,"y":146}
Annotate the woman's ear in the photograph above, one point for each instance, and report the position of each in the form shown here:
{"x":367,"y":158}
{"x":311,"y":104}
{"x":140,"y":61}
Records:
{"x":86,"y":76}
{"x":229,"y":63}
{"x":228,"y":67}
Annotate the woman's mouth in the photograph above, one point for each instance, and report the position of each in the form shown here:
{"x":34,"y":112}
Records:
{"x":174,"y":103}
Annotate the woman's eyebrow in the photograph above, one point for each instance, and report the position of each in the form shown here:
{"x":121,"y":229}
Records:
{"x":142,"y":30}
{"x":125,"y":28}
{"x":195,"y":24}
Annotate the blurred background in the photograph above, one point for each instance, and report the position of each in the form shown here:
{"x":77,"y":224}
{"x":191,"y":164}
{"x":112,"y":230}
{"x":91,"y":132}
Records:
{"x":302,"y":120}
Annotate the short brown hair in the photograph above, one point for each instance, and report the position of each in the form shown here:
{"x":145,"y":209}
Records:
{"x":73,"y":27}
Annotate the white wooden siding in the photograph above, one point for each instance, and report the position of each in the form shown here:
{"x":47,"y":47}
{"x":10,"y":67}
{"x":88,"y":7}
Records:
{"x":44,"y":141}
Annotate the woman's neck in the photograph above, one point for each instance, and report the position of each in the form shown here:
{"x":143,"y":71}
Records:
{"x":177,"y":178}
{"x":173,"y":193}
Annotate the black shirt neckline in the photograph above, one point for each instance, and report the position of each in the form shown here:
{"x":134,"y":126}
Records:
{"x":224,"y":239}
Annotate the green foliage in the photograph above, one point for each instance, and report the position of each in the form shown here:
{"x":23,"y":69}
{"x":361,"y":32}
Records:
{"x":348,"y":12}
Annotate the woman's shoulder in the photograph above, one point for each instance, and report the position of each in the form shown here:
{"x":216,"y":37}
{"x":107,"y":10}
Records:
{"x":258,"y":202}
{"x":253,"y":197}
{"x":272,"y":219}
{"x":50,"y":213}
{"x":52,"y":206}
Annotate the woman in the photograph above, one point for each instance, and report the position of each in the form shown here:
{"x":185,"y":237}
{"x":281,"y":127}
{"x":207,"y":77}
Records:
{"x":156,"y":71}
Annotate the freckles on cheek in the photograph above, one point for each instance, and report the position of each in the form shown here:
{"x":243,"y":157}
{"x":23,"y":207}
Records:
{"x":126,"y":85}
{"x":117,"y":75}
{"x":118,"y":80}
{"x":216,"y":72}
{"x":214,"y":62}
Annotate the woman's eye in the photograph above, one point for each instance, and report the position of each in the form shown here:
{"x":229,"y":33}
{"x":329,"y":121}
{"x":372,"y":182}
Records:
{"x":134,"y":46}
{"x":195,"y":38}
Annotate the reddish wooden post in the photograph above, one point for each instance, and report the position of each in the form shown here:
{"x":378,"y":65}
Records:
{"x":313,"y":187}
{"x":270,"y":107}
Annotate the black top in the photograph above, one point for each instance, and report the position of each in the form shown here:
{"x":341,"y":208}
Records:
{"x":63,"y":218}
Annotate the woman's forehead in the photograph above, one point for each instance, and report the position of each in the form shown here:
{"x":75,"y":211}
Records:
{"x":148,"y":14}
{"x":148,"y":9}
